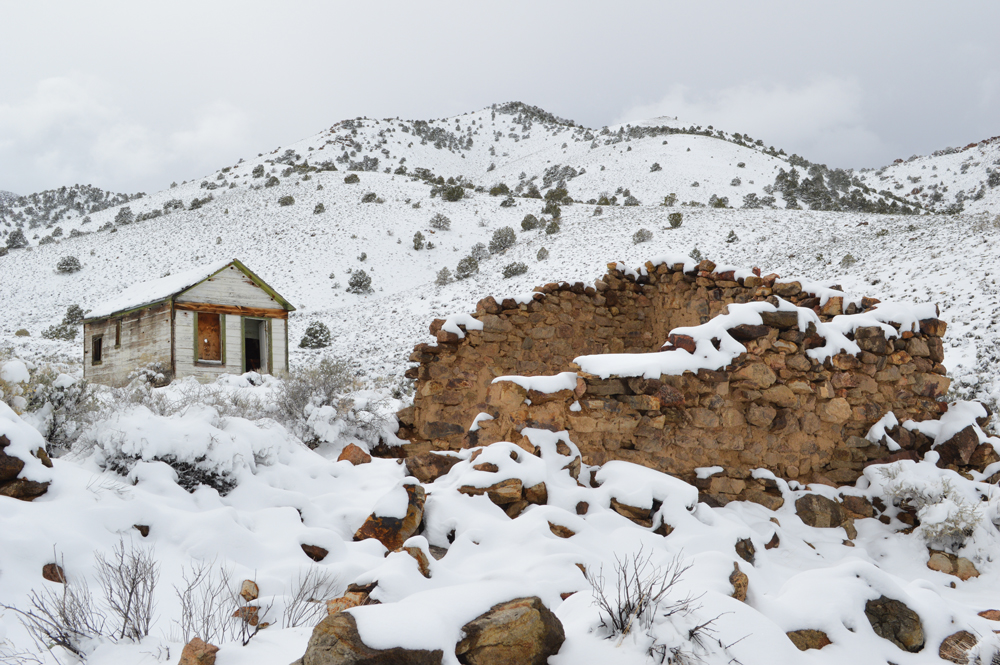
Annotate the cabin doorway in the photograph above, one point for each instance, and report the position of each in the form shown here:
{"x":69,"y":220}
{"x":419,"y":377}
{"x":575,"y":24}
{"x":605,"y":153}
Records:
{"x":255,"y":345}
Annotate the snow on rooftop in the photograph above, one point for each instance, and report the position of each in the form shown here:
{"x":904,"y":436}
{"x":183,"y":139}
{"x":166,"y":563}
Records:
{"x":145,"y":293}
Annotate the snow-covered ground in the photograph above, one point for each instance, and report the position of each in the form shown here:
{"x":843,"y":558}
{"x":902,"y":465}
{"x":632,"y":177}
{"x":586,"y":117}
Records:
{"x":287,"y":495}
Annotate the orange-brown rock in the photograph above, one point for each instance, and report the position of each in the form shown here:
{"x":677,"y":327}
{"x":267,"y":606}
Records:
{"x":315,"y":552}
{"x":335,"y":641}
{"x":502,"y":493}
{"x":955,"y":648}
{"x":53,"y":572}
{"x":808,"y":639}
{"x":740,"y":582}
{"x":521,"y":631}
{"x":428,"y":467}
{"x":393,"y":531}
{"x":354,"y":454}
{"x":198,"y":652}
{"x":347,"y":601}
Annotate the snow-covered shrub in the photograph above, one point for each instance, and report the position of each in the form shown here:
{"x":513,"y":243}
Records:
{"x":508,"y":202}
{"x":675,"y":219}
{"x":16,"y":239}
{"x":848,"y":261}
{"x":286,"y":200}
{"x":542,"y":254}
{"x":467,"y":267}
{"x":669,"y":200}
{"x":718,"y":201}
{"x":514,"y":269}
{"x":440,"y":222}
{"x":735,"y":182}
{"x":529,"y":223}
{"x":503,"y":239}
{"x":443,"y":277}
{"x":948,"y":516}
{"x":325,"y":402}
{"x":552,"y":227}
{"x":732,"y":237}
{"x":418,"y":241}
{"x":317,"y":336}
{"x":655,"y":167}
{"x":552,"y":208}
{"x":642,"y":235}
{"x":320,"y":208}
{"x":124,"y":216}
{"x":598,"y":211}
{"x":68,"y":328}
{"x":352,"y":179}
{"x":499,"y":189}
{"x":696,"y":254}
{"x":479,"y":252}
{"x":359,"y":282}
{"x":453,"y":193}
{"x":258,"y":171}
{"x":631,"y":201}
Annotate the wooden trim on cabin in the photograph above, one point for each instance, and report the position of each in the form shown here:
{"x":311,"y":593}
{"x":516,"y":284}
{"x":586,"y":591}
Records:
{"x":173,"y":340}
{"x":222,"y":338}
{"x":124,"y":312}
{"x":287,"y":368}
{"x":194,"y":337}
{"x":270,"y":348}
{"x":243,"y":344}
{"x":234,"y":310}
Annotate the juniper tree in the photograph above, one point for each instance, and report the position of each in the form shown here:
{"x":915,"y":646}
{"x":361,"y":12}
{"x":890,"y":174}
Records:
{"x":317,"y":336}
{"x":503,"y":239}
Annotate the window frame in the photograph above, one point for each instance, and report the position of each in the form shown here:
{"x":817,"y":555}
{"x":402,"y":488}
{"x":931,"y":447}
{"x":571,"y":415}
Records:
{"x":97,"y":350}
{"x":222,"y":341}
{"x":118,"y":333}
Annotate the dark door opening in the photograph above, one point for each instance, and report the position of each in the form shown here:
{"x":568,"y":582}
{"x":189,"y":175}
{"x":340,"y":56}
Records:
{"x":253,"y":347}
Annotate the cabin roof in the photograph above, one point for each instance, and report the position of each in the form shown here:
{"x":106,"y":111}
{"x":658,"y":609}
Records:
{"x":157,"y":290}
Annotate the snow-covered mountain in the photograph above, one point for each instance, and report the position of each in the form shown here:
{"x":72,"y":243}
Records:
{"x":949,"y":180}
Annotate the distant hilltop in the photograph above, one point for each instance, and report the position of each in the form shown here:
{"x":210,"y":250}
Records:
{"x":7,"y":197}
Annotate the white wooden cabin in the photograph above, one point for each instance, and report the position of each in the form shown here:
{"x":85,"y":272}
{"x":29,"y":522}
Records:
{"x":217,"y":319}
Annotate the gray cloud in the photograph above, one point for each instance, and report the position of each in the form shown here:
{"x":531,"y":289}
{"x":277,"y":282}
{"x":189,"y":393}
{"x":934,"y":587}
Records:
{"x":132,"y":96}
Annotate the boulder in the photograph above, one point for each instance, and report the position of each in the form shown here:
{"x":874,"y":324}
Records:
{"x":53,"y":572}
{"x":249,"y":590}
{"x":335,"y":641}
{"x":521,"y":631}
{"x":955,"y":647}
{"x":740,"y":582}
{"x":393,"y":531}
{"x":992,"y":615}
{"x":892,"y":620}
{"x":428,"y":467}
{"x":198,"y":652}
{"x":745,"y":550}
{"x":640,"y":516}
{"x":960,"y":446}
{"x":346,"y":602}
{"x":561,"y":531}
{"x":950,"y":564}
{"x":808,"y":639}
{"x":10,"y":484}
{"x":819,"y":511}
{"x":502,"y":493}
{"x":315,"y":552}
{"x":354,"y":454}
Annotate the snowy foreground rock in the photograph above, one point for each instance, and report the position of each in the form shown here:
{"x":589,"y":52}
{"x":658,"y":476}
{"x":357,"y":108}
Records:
{"x":500,"y":553}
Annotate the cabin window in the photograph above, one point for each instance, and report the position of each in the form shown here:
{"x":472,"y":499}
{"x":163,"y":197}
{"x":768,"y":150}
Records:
{"x":96,"y":349}
{"x":209,"y":340}
{"x":118,"y":334}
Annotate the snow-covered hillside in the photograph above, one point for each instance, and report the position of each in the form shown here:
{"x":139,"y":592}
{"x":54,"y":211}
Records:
{"x":949,"y":180}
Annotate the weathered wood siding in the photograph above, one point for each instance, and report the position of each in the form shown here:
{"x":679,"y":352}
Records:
{"x":145,"y":340}
{"x":279,"y":348}
{"x":184,"y":341}
{"x":230,"y":287}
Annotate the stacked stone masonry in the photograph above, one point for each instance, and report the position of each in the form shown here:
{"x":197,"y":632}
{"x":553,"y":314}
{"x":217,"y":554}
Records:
{"x":772,"y":407}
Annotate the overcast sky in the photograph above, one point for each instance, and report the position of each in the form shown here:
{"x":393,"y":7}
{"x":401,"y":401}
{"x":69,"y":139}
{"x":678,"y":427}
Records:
{"x":131,"y":95}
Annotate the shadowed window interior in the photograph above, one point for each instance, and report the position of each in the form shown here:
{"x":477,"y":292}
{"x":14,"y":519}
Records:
{"x":209,"y":337}
{"x":97,"y":347}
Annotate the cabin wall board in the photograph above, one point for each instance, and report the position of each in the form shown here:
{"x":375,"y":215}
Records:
{"x":184,"y":341}
{"x":279,"y":347}
{"x":145,"y":340}
{"x":230,"y":287}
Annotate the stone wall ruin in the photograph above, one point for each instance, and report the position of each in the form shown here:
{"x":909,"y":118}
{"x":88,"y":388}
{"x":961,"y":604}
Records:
{"x":773,"y":406}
